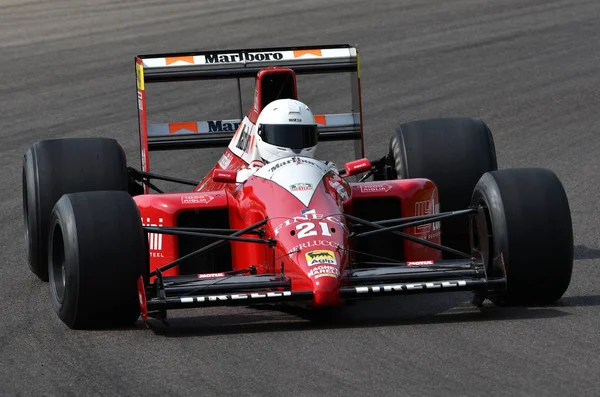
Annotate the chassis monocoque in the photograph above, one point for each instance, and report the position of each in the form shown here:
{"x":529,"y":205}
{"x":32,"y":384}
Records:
{"x":433,"y":214}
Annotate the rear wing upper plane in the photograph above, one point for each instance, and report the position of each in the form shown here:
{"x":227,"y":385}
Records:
{"x":237,"y":64}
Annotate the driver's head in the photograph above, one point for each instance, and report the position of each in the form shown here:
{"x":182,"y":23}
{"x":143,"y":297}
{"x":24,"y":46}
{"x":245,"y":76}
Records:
{"x":286,"y":127}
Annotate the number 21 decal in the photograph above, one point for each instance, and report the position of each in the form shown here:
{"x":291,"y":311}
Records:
{"x":306,"y":229}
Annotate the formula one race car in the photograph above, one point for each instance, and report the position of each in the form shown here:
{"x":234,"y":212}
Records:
{"x":432,"y":215}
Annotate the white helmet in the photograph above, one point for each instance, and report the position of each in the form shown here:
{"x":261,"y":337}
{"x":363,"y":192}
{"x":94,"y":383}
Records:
{"x":286,"y":127}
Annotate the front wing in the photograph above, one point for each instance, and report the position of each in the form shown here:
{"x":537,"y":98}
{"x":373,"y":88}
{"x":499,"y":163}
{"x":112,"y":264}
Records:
{"x":190,"y":291}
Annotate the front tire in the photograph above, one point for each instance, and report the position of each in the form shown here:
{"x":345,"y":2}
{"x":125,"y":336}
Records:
{"x":97,"y":252}
{"x":528,"y":222}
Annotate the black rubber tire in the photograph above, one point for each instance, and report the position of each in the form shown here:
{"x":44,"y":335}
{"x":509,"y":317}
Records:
{"x":97,"y":253}
{"x":55,"y":167}
{"x":529,"y":223}
{"x":452,"y":152}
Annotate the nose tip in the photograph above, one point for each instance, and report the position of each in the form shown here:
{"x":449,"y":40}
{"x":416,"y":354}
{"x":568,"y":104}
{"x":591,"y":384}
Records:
{"x":326,"y":291}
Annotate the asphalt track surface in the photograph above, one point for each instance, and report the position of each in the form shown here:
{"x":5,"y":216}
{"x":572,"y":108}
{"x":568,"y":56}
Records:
{"x":530,"y":69}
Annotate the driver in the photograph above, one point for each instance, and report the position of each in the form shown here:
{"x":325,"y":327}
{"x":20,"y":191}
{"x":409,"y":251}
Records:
{"x":285,"y":127}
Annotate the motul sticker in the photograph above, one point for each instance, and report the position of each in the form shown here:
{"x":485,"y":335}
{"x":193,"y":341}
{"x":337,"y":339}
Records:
{"x":376,"y":188}
{"x":419,"y":263}
{"x":320,"y":257}
{"x":211,"y":275}
{"x":205,"y":199}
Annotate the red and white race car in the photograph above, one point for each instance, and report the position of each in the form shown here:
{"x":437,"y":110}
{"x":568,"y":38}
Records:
{"x":433,"y":214}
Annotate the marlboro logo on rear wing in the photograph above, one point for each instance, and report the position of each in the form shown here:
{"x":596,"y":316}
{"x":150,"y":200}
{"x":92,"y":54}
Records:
{"x":238,"y":64}
{"x":327,"y":123}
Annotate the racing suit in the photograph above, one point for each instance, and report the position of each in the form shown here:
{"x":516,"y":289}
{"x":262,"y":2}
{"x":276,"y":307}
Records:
{"x":249,"y":170}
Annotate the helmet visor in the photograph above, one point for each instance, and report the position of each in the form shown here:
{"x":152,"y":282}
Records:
{"x":292,"y":136}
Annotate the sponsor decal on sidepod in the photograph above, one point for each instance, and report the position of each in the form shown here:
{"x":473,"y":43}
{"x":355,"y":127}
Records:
{"x":204,"y":199}
{"x":375,"y":188}
{"x":427,"y":207}
{"x":155,"y":240}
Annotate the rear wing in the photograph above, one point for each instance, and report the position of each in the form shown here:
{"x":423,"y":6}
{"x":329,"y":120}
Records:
{"x":238,"y":64}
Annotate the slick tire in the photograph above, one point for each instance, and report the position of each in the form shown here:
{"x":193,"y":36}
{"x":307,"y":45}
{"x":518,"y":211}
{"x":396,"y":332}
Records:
{"x":55,"y":167}
{"x":452,"y":152}
{"x":529,"y":224}
{"x":97,"y":253}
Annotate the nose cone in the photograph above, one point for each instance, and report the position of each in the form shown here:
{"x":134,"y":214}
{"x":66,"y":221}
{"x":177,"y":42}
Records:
{"x":324,"y":271}
{"x":326,"y":290}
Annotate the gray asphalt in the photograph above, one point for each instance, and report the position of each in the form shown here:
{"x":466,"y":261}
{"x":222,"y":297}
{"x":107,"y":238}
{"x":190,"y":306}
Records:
{"x":529,"y":68}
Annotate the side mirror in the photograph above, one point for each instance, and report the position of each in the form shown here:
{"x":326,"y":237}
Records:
{"x":224,"y":176}
{"x":357,"y":167}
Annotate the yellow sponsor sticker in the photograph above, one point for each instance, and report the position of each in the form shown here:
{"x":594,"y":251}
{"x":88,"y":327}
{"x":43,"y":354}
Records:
{"x":320,"y":257}
{"x":139,"y":74}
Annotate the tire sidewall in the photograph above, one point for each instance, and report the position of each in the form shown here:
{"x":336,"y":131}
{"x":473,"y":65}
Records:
{"x":398,"y":153}
{"x":31,"y":216}
{"x":66,"y":225}
{"x":487,"y":194}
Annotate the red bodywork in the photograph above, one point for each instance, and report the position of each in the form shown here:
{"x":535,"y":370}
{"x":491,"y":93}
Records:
{"x":297,"y":234}
{"x":313,"y":246}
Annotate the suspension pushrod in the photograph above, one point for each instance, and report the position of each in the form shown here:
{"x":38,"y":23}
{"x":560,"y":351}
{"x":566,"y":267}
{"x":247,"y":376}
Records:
{"x":409,"y":237}
{"x":152,"y":229}
{"x":468,"y":211}
{"x":151,"y":175}
{"x":206,"y":248}
{"x":429,"y":219}
{"x":204,"y":230}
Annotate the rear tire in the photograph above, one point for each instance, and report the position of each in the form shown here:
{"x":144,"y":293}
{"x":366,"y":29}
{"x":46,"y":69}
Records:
{"x":55,"y":167}
{"x":453,"y":153}
{"x":529,"y":223}
{"x":97,"y":253}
